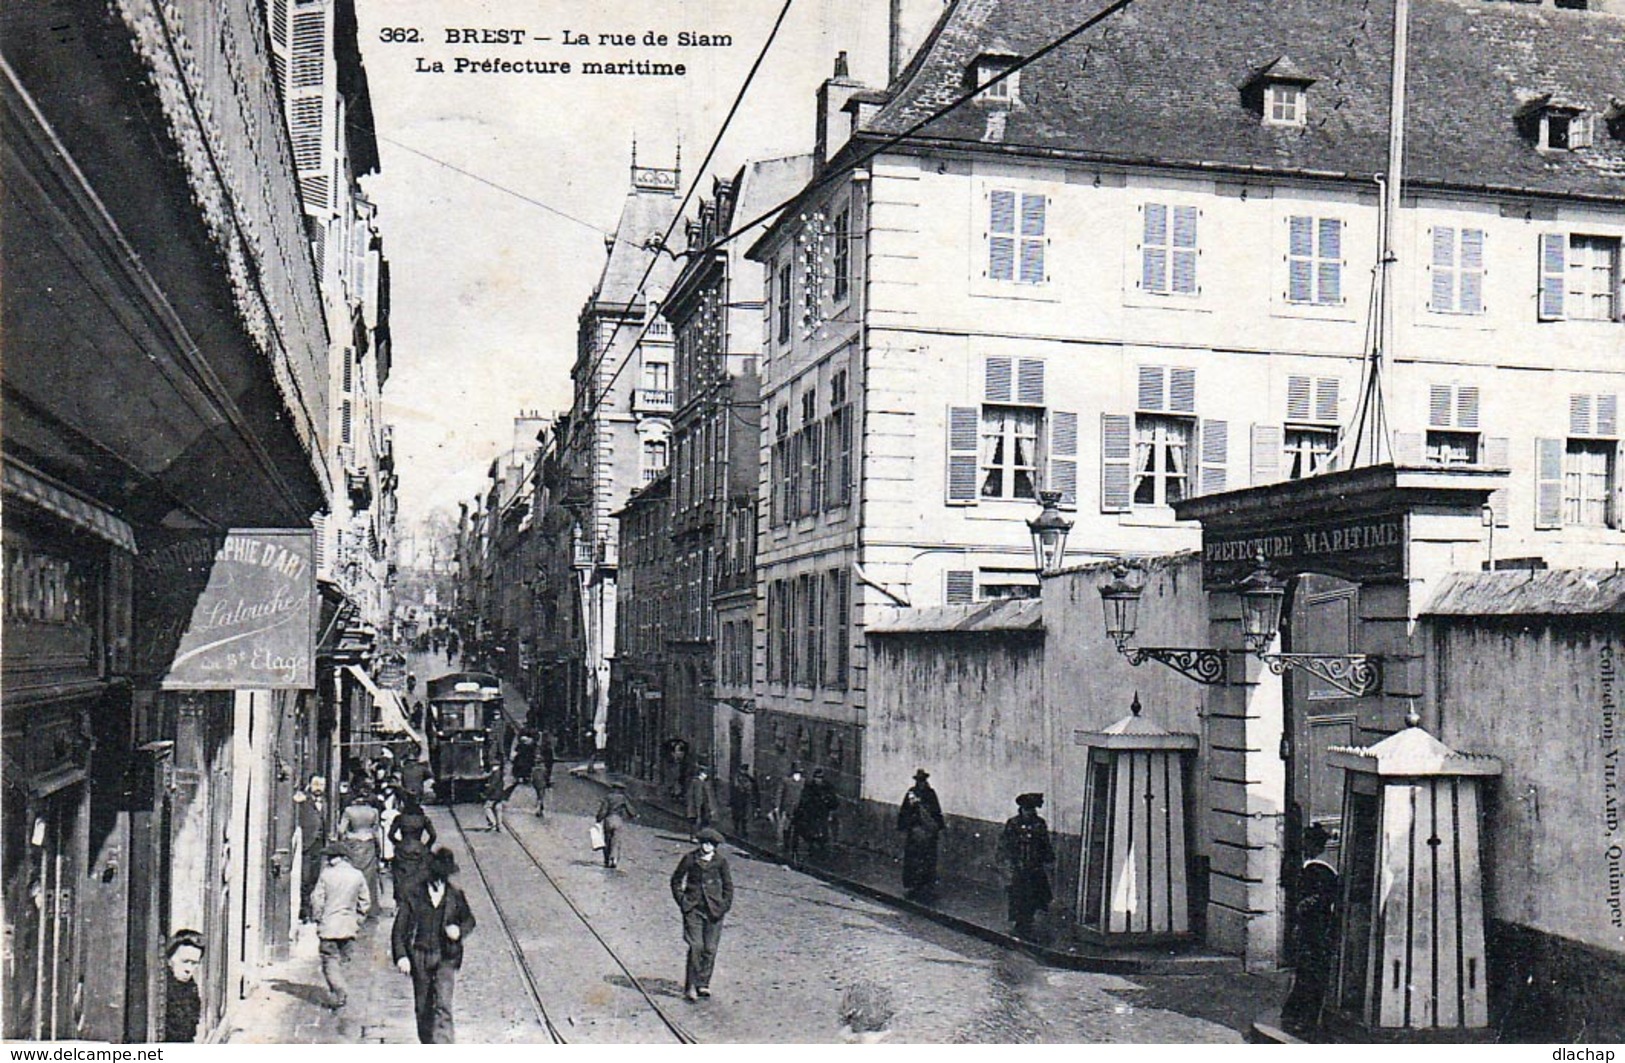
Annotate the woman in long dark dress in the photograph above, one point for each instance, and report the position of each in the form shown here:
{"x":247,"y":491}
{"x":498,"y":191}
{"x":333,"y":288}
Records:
{"x":358,"y":833}
{"x":414,"y":837}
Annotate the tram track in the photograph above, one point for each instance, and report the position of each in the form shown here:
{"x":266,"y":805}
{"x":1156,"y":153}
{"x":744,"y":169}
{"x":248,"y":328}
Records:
{"x":517,"y":952}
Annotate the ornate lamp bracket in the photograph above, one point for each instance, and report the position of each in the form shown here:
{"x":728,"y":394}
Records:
{"x":1203,"y":666}
{"x":1357,"y":675}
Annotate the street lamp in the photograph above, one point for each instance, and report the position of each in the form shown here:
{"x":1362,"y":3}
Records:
{"x":1261,"y":594}
{"x":1121,"y":601}
{"x":1049,"y":530}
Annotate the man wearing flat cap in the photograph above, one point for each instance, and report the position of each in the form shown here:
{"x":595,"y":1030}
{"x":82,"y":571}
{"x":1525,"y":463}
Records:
{"x":431,"y":923}
{"x":920,"y":820}
{"x":703,"y":888}
{"x":1027,"y":855}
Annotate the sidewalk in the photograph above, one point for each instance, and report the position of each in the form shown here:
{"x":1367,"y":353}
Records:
{"x":969,"y":907}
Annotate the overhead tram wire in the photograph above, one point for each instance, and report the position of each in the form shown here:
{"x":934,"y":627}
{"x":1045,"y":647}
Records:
{"x":492,"y":184}
{"x":835,"y":174}
{"x":677,"y":217}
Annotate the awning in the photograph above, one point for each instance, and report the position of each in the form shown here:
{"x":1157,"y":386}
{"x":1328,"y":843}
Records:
{"x":30,"y":486}
{"x":392,"y":717}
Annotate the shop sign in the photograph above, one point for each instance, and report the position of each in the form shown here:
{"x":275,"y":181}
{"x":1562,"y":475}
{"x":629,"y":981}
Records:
{"x":227,"y":612}
{"x":1355,"y":548}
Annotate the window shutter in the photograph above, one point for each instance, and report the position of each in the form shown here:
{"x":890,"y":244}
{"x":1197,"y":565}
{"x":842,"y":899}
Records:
{"x":1032,"y":239}
{"x":1443,"y":298}
{"x":1471,"y":298}
{"x":1153,"y":249}
{"x":1116,"y":463}
{"x":997,"y":380}
{"x":959,"y":587}
{"x":1608,"y":415}
{"x":1184,"y":250}
{"x":1326,"y":389}
{"x":319,"y":524}
{"x":1499,"y":500}
{"x":1553,"y":269}
{"x":1439,"y":406}
{"x":1331,"y":261}
{"x":1549,"y":483}
{"x":1215,"y":455}
{"x":1300,"y":258}
{"x":1182,"y":390}
{"x":1497,"y":452}
{"x":1580,"y":131}
{"x":1030,"y":381}
{"x":964,"y":423}
{"x":344,"y":421}
{"x":1153,"y":384}
{"x":1267,"y":441}
{"x":1297,"y":398}
{"x":308,"y":51}
{"x":1001,"y":240}
{"x":1408,"y":449}
{"x":1063,"y":456}
{"x":1466,"y":406}
{"x":1579,"y":415}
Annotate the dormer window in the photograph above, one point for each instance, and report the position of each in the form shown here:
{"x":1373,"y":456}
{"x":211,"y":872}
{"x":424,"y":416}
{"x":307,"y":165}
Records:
{"x":1554,"y":124}
{"x":1279,"y":93}
{"x":988,"y":66}
{"x":1284,"y":104}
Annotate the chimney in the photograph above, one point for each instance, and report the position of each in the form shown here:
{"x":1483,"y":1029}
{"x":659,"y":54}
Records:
{"x":834,"y":128}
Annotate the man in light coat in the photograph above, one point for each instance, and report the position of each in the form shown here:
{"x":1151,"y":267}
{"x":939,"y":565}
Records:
{"x":339,"y":903}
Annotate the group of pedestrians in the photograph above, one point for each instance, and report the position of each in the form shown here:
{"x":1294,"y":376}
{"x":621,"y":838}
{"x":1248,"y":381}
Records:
{"x":383,"y":826}
{"x":534,"y":754}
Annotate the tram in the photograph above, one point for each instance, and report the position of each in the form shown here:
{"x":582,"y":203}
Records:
{"x":468,"y":732}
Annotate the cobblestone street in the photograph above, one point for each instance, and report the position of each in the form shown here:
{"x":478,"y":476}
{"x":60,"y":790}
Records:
{"x":800,"y":961}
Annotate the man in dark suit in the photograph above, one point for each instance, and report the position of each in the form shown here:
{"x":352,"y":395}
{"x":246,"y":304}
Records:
{"x":431,"y":923}
{"x":310,"y":816}
{"x":704,"y":890}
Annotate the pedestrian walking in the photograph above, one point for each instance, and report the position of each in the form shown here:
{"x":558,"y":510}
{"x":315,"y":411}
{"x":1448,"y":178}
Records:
{"x":496,"y":794}
{"x":310,"y":814}
{"x":784,"y":809}
{"x":183,"y":1003}
{"x":702,"y":801}
{"x":703,"y":887}
{"x":526,"y":758}
{"x":414,"y":772}
{"x":550,"y":753}
{"x":431,"y":926}
{"x":341,"y":902}
{"x":1316,"y":943}
{"x":613,"y":812}
{"x":743,"y":800}
{"x":818,"y":803}
{"x":358,"y":832}
{"x":413,"y":837}
{"x":920,"y":820}
{"x":1025,"y":850}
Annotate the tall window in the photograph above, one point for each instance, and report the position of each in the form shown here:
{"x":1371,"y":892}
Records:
{"x":1577,"y":479}
{"x":1457,"y":271}
{"x":1015,"y":236}
{"x":842,"y":259}
{"x":654,"y":458}
{"x":1314,"y":260}
{"x":1579,"y":277}
{"x":781,"y":293}
{"x":1161,"y":459}
{"x":1009,"y":451}
{"x":1309,"y":451}
{"x":1168,"y":250}
{"x":838,"y":444}
{"x":1453,"y":436}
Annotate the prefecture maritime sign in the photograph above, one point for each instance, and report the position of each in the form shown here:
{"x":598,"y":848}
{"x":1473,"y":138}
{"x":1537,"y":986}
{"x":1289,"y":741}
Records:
{"x":1354,"y":548}
{"x":227,"y":612}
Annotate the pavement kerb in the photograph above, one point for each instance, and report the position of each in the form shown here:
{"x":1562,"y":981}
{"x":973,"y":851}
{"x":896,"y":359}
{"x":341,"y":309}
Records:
{"x":1198,"y":964}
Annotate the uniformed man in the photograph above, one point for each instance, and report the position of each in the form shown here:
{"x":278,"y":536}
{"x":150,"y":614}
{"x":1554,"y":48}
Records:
{"x":1025,"y":850}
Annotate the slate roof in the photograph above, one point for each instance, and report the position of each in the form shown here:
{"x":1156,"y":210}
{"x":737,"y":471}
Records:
{"x":1161,"y":82}
{"x":1012,"y":614}
{"x":1553,"y":592}
{"x":645,"y":214}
